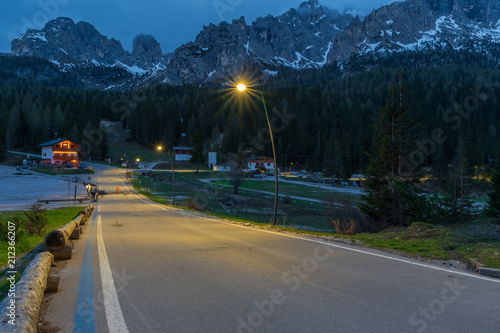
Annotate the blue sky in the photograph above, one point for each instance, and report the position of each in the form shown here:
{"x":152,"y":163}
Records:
{"x":171,"y":22}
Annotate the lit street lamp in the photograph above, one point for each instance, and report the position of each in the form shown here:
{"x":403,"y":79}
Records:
{"x":137,"y":160}
{"x":160,"y":148}
{"x":241,"y":88}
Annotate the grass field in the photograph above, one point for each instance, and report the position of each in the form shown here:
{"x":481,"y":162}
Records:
{"x":290,"y":189}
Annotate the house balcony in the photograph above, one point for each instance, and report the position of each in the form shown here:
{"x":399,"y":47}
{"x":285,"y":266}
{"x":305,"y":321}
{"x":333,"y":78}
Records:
{"x":69,"y":150}
{"x":64,"y":156}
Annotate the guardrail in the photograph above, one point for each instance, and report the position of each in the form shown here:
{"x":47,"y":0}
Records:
{"x":19,"y":310}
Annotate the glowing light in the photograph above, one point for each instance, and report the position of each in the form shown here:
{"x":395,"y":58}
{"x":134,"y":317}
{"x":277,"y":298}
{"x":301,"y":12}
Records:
{"x":160,"y":148}
{"x":241,"y":87}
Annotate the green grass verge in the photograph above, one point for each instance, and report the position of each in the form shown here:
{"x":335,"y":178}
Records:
{"x":57,"y":218}
{"x":433,"y":242}
{"x":27,"y":242}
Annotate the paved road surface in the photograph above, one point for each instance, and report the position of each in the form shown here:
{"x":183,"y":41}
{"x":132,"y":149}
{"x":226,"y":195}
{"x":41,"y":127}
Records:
{"x":145,"y":268}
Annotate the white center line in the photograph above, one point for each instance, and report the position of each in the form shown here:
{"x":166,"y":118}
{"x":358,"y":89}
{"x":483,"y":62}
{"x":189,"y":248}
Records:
{"x":114,"y":315}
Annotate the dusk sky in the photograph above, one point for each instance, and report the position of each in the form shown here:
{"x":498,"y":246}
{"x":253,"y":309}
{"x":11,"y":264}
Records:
{"x":172,"y":23}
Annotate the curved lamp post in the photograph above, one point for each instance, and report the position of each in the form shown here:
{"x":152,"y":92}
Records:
{"x":242,"y":87}
{"x":160,"y":148}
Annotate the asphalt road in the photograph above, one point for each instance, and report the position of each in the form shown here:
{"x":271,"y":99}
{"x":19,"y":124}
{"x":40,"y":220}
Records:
{"x":174,"y":271}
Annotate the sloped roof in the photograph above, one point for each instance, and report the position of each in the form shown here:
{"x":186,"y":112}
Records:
{"x":53,"y":142}
{"x":259,"y":158}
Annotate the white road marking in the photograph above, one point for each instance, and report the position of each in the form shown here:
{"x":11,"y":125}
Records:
{"x":114,"y":315}
{"x":474,"y":276}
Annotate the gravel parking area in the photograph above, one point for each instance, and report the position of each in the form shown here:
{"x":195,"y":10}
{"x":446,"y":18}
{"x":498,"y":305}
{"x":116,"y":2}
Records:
{"x":17,"y":192}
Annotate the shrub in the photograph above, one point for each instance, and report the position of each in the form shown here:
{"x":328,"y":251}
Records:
{"x":344,"y":227}
{"x":343,"y":214}
{"x":36,"y":219}
{"x":193,"y":204}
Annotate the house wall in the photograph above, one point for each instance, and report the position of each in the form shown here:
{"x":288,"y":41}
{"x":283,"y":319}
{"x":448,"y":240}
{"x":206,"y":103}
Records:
{"x":222,"y":168}
{"x":47,"y":155}
{"x":182,"y":157}
{"x":253,"y":166}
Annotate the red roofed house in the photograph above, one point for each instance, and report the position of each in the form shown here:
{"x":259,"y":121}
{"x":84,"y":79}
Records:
{"x":260,"y":163}
{"x":60,"y":152}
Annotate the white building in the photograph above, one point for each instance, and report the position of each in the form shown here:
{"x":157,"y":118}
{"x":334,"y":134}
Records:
{"x":212,"y":160}
{"x":182,"y":153}
{"x":222,"y":168}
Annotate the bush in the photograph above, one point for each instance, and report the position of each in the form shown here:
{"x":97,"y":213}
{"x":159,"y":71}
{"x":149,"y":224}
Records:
{"x":287,"y":200}
{"x":344,"y":227}
{"x":193,"y":204}
{"x":343,"y":214}
{"x":36,"y":219}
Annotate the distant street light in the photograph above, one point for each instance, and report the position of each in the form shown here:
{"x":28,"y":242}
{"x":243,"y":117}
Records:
{"x":160,"y":149}
{"x":242,"y":88}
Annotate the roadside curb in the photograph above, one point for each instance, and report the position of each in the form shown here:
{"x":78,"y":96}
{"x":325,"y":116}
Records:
{"x":29,"y":291}
{"x":483,"y":270}
{"x":492,"y":272}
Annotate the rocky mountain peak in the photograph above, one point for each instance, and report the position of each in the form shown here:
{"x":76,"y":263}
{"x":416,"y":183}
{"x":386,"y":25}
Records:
{"x":416,"y":24}
{"x":146,"y":50}
{"x":309,"y":36}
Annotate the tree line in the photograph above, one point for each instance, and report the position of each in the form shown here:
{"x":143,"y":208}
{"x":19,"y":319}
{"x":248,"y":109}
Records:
{"x":323,"y":119}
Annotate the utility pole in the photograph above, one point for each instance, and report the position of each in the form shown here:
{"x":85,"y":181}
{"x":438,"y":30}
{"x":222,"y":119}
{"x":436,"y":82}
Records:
{"x":74,"y":199}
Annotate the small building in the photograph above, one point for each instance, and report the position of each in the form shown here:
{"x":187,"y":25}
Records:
{"x":357,"y":180}
{"x":182,"y":154}
{"x":60,"y":152}
{"x":222,"y":168}
{"x":212,"y":160}
{"x":260,"y":163}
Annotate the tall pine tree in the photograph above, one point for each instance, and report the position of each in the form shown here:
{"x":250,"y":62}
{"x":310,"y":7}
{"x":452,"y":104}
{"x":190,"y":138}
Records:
{"x":493,"y":207}
{"x":393,"y":135}
{"x":197,"y":146}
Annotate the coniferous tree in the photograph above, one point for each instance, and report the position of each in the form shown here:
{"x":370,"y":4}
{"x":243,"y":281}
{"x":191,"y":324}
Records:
{"x":458,"y":202}
{"x":493,"y":207}
{"x":382,"y":203}
{"x":329,"y":160}
{"x":197,"y":146}
{"x":3,"y":141}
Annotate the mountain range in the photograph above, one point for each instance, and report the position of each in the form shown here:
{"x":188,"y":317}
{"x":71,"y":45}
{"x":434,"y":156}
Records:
{"x":310,"y":36}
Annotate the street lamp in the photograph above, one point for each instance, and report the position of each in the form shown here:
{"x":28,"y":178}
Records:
{"x":242,"y":88}
{"x":160,"y":148}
